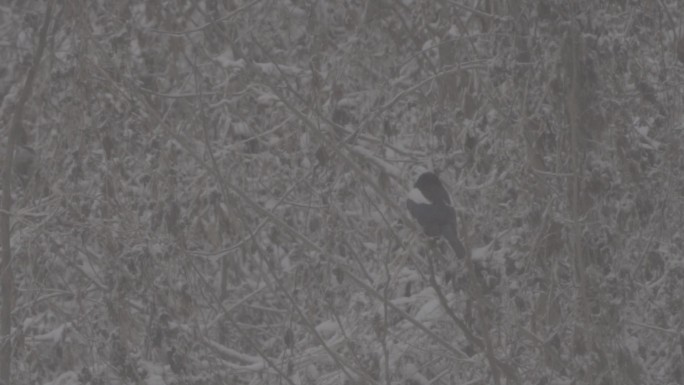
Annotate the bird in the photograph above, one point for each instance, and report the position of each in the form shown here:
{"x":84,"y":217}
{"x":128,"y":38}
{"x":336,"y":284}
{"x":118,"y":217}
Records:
{"x":429,"y":204}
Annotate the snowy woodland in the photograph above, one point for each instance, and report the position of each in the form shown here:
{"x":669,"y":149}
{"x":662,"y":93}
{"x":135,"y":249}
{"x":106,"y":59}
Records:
{"x":213,"y":192}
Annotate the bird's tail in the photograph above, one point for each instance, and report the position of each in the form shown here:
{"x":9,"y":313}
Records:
{"x":451,"y":236}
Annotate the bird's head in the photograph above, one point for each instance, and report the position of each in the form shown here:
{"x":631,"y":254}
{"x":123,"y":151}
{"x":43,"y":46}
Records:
{"x":429,"y":189}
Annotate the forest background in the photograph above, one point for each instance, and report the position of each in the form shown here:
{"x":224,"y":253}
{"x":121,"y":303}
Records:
{"x":212,"y":191}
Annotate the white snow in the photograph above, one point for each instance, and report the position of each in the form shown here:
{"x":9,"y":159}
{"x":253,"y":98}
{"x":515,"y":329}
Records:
{"x":53,"y":336}
{"x":327,"y":328}
{"x":66,"y":378}
{"x":227,"y":61}
{"x":430,"y":311}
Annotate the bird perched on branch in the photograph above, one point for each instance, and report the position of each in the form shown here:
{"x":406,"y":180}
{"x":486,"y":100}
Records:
{"x":429,"y":203}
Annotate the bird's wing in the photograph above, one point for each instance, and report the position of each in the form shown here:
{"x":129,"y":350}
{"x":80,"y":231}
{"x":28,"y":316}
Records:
{"x":449,"y":233}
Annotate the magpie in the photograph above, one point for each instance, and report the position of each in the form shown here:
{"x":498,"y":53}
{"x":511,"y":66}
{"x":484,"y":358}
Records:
{"x":429,"y":203}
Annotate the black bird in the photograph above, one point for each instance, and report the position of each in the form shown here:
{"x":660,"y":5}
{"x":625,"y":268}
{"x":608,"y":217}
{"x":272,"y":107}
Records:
{"x":429,"y":203}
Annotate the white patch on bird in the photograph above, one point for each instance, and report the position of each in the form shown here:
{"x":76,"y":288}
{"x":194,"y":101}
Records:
{"x":417,"y":197}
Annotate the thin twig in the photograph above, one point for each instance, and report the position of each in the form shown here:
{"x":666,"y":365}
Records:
{"x":205,"y":26}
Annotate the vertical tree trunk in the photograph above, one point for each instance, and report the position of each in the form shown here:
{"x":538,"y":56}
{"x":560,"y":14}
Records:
{"x":572,"y":69}
{"x":6,"y":275}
